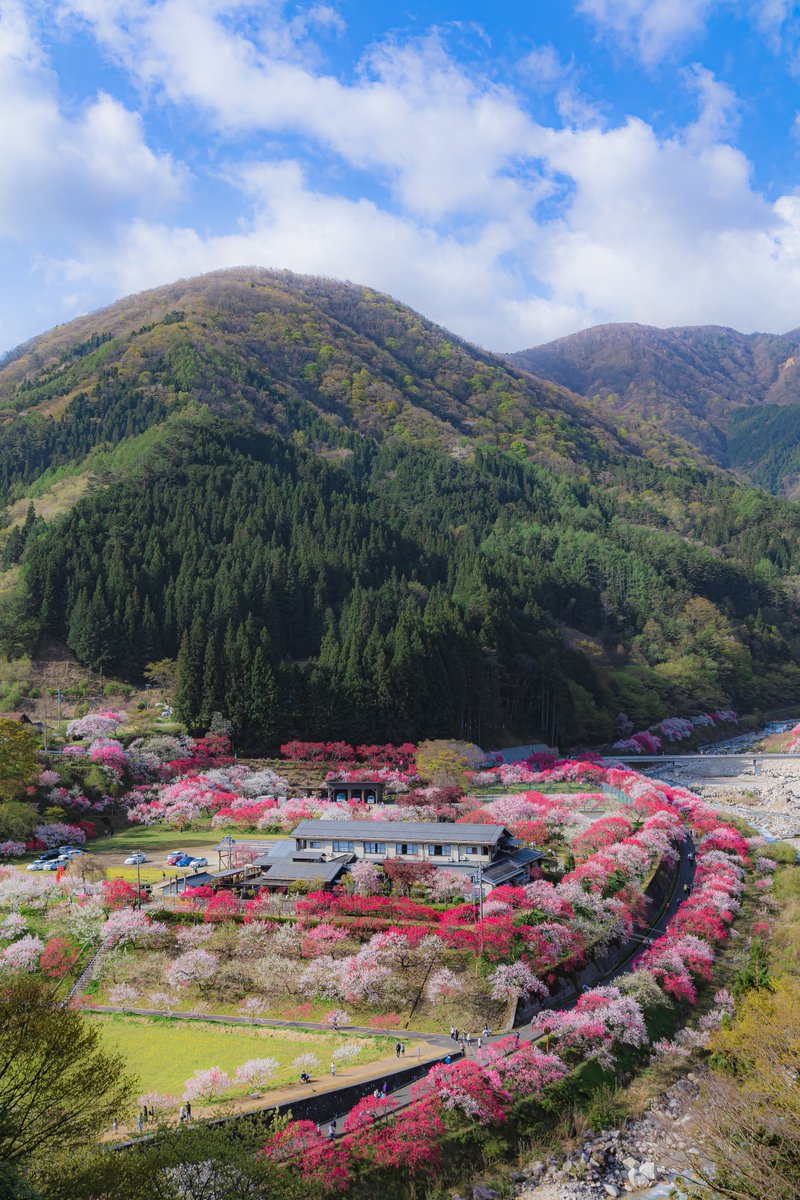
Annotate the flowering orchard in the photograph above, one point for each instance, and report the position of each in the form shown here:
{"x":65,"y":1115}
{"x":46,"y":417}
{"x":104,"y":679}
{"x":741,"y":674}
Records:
{"x":670,"y":730}
{"x":370,"y":955}
{"x":383,"y":947}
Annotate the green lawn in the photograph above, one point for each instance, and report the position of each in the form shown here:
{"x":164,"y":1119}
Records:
{"x":164,"y":1053}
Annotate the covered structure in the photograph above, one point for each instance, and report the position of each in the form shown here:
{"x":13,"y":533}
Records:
{"x":340,"y":791}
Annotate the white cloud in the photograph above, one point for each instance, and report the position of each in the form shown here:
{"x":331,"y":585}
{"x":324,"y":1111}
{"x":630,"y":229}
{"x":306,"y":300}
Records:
{"x":651,"y":28}
{"x":718,"y":117}
{"x":506,"y":230}
{"x":543,"y":70}
{"x":442,"y":141}
{"x":64,"y":172}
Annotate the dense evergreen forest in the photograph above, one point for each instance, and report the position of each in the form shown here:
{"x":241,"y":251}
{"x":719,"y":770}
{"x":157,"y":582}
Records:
{"x":321,"y":565}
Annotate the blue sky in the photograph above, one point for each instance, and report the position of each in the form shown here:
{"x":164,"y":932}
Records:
{"x":515,"y":171}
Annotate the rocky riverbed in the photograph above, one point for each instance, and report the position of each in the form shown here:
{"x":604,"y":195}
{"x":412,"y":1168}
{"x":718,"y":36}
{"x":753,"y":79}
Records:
{"x":641,"y":1158}
{"x":770,"y":800}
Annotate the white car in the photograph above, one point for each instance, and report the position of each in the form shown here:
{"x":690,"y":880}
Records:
{"x":36,"y":865}
{"x":197,"y":863}
{"x":134,"y":859}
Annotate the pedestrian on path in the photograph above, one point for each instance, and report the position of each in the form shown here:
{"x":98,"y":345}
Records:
{"x":397,"y":1049}
{"x":333,"y":1070}
{"x":332,"y":1130}
{"x":402,"y":1049}
{"x":385,"y":1088}
{"x":114,"y":1125}
{"x":188,"y":1111}
{"x":139,"y":1122}
{"x":182,"y":1114}
{"x":480,"y":1043}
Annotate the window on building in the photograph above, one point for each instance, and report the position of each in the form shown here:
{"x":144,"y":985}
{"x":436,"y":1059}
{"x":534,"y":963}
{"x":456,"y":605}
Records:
{"x":374,"y":847}
{"x":342,"y":847}
{"x":312,"y":845}
{"x":438,"y":851}
{"x":479,"y":850}
{"x":407,"y":848}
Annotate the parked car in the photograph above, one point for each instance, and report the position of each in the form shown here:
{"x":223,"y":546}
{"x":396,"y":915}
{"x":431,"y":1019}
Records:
{"x":66,"y":855}
{"x":183,"y":861}
{"x":53,"y":864}
{"x":134,"y":859}
{"x":197,"y":863}
{"x":174,"y":855}
{"x":36,"y":865}
{"x":49,"y":855}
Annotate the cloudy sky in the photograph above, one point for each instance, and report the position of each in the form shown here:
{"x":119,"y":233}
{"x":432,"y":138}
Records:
{"x":515,"y":169}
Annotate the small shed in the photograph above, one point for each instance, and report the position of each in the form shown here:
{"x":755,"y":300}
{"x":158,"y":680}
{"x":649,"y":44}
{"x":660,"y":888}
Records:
{"x":280,"y":874}
{"x":340,"y":791}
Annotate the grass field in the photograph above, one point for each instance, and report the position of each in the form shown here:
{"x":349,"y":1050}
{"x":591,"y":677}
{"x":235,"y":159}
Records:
{"x":164,"y":1053}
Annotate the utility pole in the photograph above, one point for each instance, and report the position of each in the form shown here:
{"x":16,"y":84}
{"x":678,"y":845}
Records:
{"x":138,"y":884}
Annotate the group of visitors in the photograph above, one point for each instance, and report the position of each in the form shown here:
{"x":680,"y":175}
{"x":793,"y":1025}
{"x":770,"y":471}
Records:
{"x":146,"y":1114}
{"x":399,"y":1049}
{"x":466,"y":1040}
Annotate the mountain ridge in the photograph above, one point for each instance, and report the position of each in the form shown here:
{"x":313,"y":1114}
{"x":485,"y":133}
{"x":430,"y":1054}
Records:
{"x":696,"y":383}
{"x":337,"y":519}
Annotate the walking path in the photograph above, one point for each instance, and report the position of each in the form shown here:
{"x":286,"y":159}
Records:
{"x":401,"y":1035}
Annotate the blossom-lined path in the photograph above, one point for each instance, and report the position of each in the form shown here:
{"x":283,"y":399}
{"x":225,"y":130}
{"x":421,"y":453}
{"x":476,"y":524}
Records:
{"x":401,"y":1035}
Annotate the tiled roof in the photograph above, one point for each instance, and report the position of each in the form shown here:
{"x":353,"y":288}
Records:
{"x":403,"y":831}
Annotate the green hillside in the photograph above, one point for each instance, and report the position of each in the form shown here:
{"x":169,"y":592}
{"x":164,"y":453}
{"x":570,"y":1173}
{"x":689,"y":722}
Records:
{"x":341,"y":521}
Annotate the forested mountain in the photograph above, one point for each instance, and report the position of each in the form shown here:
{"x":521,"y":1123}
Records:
{"x":342,"y":521}
{"x":717,"y":390}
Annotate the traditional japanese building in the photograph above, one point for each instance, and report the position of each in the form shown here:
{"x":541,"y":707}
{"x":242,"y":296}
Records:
{"x":468,"y":849}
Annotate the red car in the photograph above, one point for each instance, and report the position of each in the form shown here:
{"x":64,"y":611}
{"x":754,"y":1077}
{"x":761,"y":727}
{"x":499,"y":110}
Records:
{"x":172,"y":859}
